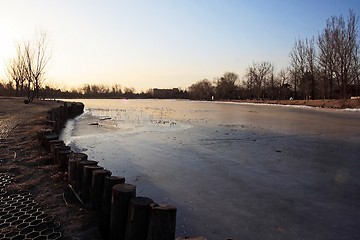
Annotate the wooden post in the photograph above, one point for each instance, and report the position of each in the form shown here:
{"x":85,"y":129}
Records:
{"x":57,"y":150}
{"x":162,"y":222}
{"x":50,"y":123}
{"x":55,"y":143}
{"x":81,"y":156}
{"x":87,"y":178}
{"x":63,"y":158}
{"x":80,"y":172}
{"x":72,"y":169}
{"x":104,"y":216}
{"x":53,"y":150}
{"x":72,"y":166}
{"x":98,"y":178}
{"x":47,"y":138}
{"x":121,"y":194}
{"x":42,"y":133}
{"x":138,"y":218}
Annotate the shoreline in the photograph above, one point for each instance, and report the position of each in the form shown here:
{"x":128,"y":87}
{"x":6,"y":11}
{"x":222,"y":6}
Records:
{"x":304,"y":141}
{"x":35,"y":173}
{"x":326,"y":103}
{"x":23,"y":156}
{"x":323,"y":103}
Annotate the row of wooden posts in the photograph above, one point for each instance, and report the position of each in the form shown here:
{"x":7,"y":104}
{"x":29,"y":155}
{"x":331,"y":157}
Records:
{"x":121,"y":214}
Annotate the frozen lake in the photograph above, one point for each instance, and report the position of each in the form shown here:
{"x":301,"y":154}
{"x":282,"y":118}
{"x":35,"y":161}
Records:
{"x":233,"y":170}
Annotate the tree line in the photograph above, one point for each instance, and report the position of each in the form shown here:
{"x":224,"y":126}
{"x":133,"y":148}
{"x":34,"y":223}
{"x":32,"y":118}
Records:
{"x":86,"y":91}
{"x":323,"y":67}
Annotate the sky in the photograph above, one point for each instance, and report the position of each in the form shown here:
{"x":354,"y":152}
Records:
{"x":161,"y":43}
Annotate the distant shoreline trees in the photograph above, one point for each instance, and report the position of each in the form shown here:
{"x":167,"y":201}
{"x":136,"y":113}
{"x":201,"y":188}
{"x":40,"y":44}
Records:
{"x":325,"y":67}
{"x":328,"y":67}
{"x":322,"y":67}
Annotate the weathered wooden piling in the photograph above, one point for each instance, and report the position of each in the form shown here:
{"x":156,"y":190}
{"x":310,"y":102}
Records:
{"x":162,"y":222}
{"x":121,"y":195}
{"x":53,"y":150}
{"x":105,"y":213}
{"x":86,"y":186}
{"x":59,"y":148}
{"x":42,"y":133}
{"x":81,"y":156}
{"x":53,"y":143}
{"x":63,"y":112}
{"x":74,"y":159}
{"x":138,"y":218}
{"x":50,"y":123}
{"x":97,"y":188}
{"x":51,"y":115}
{"x":63,"y":158}
{"x":75,"y":109}
{"x":72,"y":169}
{"x":58,"y":116}
{"x":47,"y":138}
{"x":80,"y":172}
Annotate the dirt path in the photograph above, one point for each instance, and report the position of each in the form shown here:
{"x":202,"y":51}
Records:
{"x":22,"y":156}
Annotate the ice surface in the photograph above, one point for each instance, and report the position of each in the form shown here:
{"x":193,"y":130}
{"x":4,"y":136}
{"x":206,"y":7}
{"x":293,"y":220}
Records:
{"x":233,"y":170}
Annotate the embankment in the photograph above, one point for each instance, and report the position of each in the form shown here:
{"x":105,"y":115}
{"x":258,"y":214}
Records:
{"x":23,"y":157}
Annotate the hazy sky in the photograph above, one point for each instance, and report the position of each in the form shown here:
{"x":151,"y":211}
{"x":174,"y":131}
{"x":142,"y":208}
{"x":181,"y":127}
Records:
{"x":161,"y":43}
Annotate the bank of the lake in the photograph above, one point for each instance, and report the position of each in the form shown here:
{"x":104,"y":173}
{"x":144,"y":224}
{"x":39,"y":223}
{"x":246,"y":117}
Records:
{"x":250,"y":180}
{"x":324,"y":103}
{"x":23,"y":157}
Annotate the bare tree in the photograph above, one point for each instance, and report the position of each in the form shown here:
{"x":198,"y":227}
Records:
{"x":272,"y":85}
{"x":310,"y":75}
{"x":356,"y":72}
{"x":225,"y":86}
{"x":27,"y":69}
{"x":294,"y":82}
{"x":339,"y":53}
{"x":249,"y":81}
{"x":283,"y":77}
{"x":116,"y":89}
{"x":37,"y":58}
{"x":258,"y":75}
{"x":326,"y":59}
{"x":303,"y":66}
{"x":16,"y":70}
{"x":202,"y":90}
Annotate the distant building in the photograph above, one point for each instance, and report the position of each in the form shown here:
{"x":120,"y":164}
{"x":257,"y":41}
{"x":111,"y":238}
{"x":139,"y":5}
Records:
{"x":166,"y":93}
